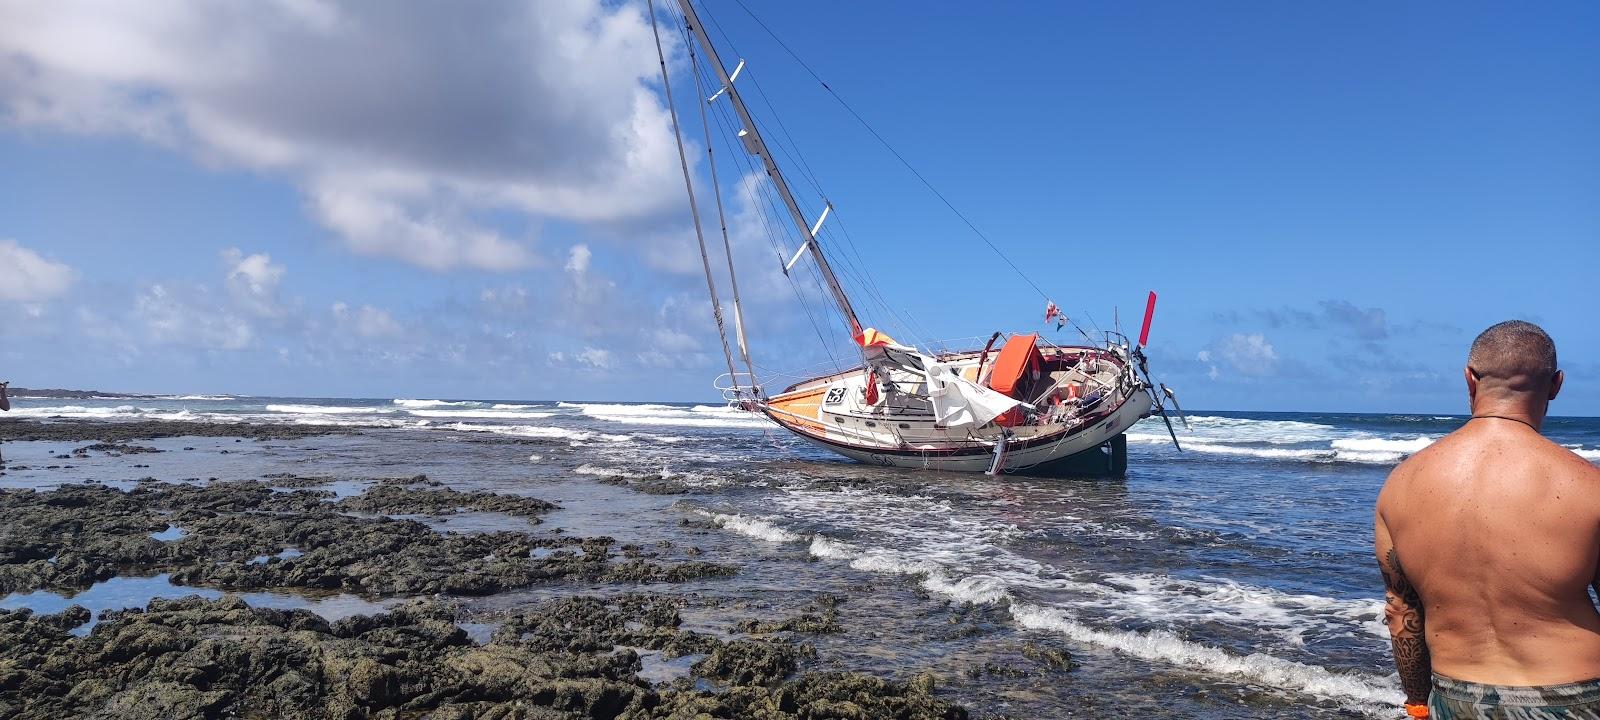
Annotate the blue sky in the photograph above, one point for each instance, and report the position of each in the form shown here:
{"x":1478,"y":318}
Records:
{"x":313,"y":198}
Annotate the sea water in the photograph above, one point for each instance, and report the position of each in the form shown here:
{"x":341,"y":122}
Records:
{"x":1232,"y":578}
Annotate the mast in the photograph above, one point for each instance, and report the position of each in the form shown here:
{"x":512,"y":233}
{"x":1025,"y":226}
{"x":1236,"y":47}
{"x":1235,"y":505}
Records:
{"x":758,"y":147}
{"x":694,"y":208}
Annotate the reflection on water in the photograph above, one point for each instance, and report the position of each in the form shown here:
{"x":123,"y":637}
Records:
{"x":173,"y":532}
{"x":123,"y":593}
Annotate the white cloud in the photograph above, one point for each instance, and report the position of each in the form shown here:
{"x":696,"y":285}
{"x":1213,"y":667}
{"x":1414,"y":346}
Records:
{"x":1250,"y":355}
{"x":192,"y":320}
{"x":596,"y":358}
{"x":578,"y":259}
{"x":26,"y":276}
{"x":366,"y":321}
{"x":253,"y":280}
{"x":402,"y":124}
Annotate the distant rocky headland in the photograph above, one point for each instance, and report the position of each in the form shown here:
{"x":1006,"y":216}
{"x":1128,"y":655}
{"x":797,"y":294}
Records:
{"x":15,"y":391}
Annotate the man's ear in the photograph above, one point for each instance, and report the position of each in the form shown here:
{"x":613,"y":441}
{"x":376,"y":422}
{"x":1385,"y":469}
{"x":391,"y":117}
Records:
{"x":1472,"y":384}
{"x":1555,"y":383}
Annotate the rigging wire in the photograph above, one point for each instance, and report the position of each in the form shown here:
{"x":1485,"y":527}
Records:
{"x":893,"y":151}
{"x":683,"y":159}
{"x":762,"y":202}
{"x":792,"y":153}
{"x":722,"y":222}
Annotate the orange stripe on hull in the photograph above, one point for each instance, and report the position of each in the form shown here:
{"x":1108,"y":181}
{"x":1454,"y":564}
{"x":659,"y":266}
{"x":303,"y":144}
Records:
{"x":800,"y":405}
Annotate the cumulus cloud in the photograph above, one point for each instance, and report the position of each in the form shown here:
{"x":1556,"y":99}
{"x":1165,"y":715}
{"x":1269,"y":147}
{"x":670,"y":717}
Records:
{"x":366,"y":321}
{"x":578,"y":259}
{"x":252,"y":281}
{"x":589,"y":358}
{"x":597,"y":358}
{"x":1248,"y":354}
{"x":401,"y":124}
{"x":30,"y":277}
{"x":190,"y":318}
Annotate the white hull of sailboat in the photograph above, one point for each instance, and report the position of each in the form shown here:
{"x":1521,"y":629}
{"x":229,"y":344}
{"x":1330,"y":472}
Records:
{"x":898,"y":430}
{"x":1017,"y":459}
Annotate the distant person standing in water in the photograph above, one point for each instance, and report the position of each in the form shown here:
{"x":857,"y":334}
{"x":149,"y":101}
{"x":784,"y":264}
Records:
{"x":1489,"y":541}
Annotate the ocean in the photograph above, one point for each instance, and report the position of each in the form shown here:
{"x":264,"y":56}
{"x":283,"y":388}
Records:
{"x":1232,"y":579}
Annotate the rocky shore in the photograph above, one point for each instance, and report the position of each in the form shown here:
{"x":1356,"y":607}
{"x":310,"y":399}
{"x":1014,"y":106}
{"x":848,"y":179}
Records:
{"x":618,"y":653}
{"x":575,"y":658}
{"x":112,"y":431}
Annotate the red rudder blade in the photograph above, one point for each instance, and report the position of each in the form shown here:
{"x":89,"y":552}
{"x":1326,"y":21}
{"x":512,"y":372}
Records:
{"x":1149,"y":313}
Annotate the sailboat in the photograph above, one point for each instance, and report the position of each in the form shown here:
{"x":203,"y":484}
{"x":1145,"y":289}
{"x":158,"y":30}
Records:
{"x":1019,"y":404}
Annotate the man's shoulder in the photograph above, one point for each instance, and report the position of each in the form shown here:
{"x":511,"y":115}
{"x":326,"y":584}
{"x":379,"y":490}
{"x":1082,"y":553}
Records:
{"x":1418,"y":468}
{"x":1567,"y":462}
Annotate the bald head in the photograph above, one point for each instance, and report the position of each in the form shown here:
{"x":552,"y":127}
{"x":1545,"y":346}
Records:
{"x":1514,"y":355}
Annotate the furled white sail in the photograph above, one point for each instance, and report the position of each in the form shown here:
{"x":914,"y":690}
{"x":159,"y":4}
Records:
{"x":958,"y":402}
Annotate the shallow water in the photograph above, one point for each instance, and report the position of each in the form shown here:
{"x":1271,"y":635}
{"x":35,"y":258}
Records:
{"x":1232,"y":579}
{"x":122,"y":593}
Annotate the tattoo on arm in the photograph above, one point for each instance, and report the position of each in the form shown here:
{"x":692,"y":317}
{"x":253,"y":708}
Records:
{"x":1403,"y":611}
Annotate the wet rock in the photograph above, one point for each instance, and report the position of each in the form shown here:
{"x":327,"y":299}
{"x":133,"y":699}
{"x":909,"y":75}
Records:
{"x":752,"y":662}
{"x":118,"y":431}
{"x":1050,"y":657}
{"x":396,"y":499}
{"x":95,"y":533}
{"x":821,"y":618}
{"x":115,"y":449}
{"x":658,"y":483}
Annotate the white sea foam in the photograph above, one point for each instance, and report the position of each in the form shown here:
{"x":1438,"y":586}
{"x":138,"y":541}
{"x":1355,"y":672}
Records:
{"x":215,"y":398}
{"x":701,"y":416}
{"x":76,"y":411}
{"x":967,"y":559}
{"x":755,"y":527}
{"x":485,"y":414}
{"x":1247,"y":441}
{"x":1363,"y":693}
{"x":1209,"y":427}
{"x":533,"y":431}
{"x":514,"y":406}
{"x":614,"y":408}
{"x":1289,"y":615}
{"x":1274,"y":453}
{"x":1399,"y":445}
{"x":1369,"y":694}
{"x":407,"y":403}
{"x":326,"y":410}
{"x":607,"y":471}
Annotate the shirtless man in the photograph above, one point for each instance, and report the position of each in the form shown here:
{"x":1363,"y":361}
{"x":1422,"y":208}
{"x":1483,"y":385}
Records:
{"x":1489,"y":540}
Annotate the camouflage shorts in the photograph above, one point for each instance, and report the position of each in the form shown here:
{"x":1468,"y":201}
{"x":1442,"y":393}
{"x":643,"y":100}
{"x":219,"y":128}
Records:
{"x":1457,"y":700}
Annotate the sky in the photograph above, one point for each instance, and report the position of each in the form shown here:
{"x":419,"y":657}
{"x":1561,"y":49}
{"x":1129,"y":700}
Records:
{"x":349,"y":199}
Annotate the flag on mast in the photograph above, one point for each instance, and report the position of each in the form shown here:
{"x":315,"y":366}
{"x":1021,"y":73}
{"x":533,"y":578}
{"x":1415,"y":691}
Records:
{"x":1052,"y":312}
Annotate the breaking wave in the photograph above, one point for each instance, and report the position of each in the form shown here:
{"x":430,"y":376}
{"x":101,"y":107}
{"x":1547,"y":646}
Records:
{"x":487,"y":414}
{"x":1140,"y":597}
{"x":537,"y":431}
{"x":754,"y":527}
{"x":699,"y":416}
{"x":1290,"y":440}
{"x":326,"y":410}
